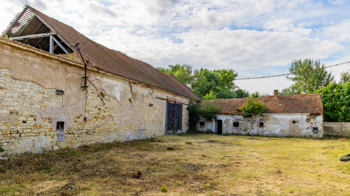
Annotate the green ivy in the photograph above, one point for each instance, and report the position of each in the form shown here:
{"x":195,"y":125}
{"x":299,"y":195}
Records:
{"x":206,"y":109}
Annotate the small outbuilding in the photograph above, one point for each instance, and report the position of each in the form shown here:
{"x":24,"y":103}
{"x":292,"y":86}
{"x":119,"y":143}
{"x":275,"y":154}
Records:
{"x":288,"y":115}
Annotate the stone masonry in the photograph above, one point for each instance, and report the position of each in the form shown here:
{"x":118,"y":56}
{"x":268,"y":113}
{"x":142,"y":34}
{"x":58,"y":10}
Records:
{"x":112,"y":109}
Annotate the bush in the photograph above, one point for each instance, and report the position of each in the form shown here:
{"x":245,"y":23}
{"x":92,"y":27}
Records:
{"x":196,"y":110}
{"x":2,"y":150}
{"x":253,"y":107}
{"x":194,"y":116}
{"x":208,"y":109}
{"x":163,"y":189}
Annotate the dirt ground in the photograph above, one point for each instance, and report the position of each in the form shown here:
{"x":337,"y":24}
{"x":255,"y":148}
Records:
{"x":185,"y":165}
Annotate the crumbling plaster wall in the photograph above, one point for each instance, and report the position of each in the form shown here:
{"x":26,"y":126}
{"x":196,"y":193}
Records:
{"x":273,"y":125}
{"x":112,"y":109}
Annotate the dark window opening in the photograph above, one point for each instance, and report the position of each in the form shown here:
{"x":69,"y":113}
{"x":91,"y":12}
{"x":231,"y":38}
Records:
{"x":59,"y":92}
{"x":150,"y":105}
{"x":60,"y":126}
{"x":236,"y":124}
{"x":202,"y":124}
{"x":261,"y":124}
{"x":295,"y":122}
{"x":24,"y":121}
{"x":315,"y":130}
{"x":85,"y":119}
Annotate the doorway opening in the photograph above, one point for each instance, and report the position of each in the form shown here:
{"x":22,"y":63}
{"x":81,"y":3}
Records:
{"x":219,"y":127}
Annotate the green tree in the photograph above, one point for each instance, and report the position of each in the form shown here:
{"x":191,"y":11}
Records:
{"x":309,"y":75}
{"x":256,"y":94}
{"x":226,"y":94}
{"x":209,"y":96}
{"x":241,"y":93}
{"x":181,"y":72}
{"x":344,"y":77}
{"x":291,"y":90}
{"x":227,"y":76}
{"x":344,"y":103}
{"x":206,"y":81}
{"x":331,"y":101}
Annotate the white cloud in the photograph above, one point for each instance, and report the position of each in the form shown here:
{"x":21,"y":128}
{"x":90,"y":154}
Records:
{"x":245,"y":35}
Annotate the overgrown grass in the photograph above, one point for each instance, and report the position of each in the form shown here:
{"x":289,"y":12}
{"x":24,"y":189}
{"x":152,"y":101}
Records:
{"x":200,"y":165}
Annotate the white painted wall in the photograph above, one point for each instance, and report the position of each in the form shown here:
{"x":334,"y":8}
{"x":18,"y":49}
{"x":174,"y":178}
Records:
{"x":274,"y":125}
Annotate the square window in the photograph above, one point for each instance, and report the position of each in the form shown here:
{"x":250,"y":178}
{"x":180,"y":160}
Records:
{"x":236,"y":124}
{"x":60,"y":126}
{"x":295,"y":122}
{"x":261,"y":124}
{"x":315,"y":130}
{"x":202,"y":124}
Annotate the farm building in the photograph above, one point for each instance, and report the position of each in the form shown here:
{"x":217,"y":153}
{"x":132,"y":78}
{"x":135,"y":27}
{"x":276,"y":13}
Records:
{"x":50,"y":98}
{"x":288,"y":115}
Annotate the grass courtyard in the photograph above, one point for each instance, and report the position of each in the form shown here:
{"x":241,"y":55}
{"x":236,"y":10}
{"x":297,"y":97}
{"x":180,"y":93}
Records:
{"x":185,"y":165}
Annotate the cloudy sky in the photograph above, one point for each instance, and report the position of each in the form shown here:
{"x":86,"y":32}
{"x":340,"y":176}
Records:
{"x":253,"y":37}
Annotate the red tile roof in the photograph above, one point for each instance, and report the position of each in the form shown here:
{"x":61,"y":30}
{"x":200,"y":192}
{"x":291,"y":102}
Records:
{"x":302,"y":103}
{"x":116,"y":62}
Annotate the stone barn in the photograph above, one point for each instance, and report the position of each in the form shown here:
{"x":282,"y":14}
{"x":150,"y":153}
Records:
{"x":288,"y":115}
{"x":51,"y":97}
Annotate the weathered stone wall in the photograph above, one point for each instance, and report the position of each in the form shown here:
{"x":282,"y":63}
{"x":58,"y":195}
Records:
{"x":112,"y":109}
{"x":273,"y":125}
{"x":337,"y":128}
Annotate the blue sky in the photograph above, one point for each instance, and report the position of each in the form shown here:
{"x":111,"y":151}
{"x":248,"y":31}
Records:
{"x":253,"y":37}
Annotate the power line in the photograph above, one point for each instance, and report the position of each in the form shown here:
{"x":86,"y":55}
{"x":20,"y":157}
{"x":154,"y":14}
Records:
{"x":273,"y":76}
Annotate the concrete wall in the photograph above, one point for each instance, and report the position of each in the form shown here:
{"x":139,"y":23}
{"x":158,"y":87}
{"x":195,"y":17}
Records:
{"x":337,"y":128}
{"x":112,"y":109}
{"x":273,"y":125}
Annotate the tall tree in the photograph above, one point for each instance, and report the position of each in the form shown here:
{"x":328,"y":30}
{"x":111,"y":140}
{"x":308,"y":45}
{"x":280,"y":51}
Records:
{"x":331,"y":101}
{"x":344,"y":77}
{"x":206,"y":81}
{"x":181,"y":72}
{"x":309,"y":75}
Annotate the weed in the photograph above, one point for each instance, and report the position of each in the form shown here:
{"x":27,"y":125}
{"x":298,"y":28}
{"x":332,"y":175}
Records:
{"x":163,"y":189}
{"x":2,"y":150}
{"x":2,"y":169}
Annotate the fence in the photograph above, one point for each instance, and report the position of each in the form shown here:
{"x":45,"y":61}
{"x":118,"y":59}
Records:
{"x":336,"y":128}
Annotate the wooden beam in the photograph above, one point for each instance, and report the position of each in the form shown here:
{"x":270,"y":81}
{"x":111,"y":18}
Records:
{"x":61,"y":46}
{"x":33,"y":36}
{"x":38,"y":42}
{"x":51,"y":44}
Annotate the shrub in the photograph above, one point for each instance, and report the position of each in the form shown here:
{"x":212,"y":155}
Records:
{"x":208,"y":109}
{"x":163,"y":189}
{"x":194,"y":116}
{"x":2,"y":150}
{"x":253,"y":107}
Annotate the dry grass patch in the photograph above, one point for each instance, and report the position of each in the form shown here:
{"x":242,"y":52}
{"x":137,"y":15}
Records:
{"x":196,"y":165}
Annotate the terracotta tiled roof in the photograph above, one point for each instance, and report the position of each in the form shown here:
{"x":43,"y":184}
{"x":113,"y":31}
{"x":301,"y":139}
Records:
{"x":302,"y":103}
{"x":117,"y":62}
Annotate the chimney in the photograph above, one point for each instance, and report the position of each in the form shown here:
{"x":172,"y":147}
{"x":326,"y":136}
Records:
{"x":275,"y":93}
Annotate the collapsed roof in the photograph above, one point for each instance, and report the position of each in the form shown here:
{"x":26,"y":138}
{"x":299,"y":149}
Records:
{"x":301,"y":103}
{"x":37,"y":29}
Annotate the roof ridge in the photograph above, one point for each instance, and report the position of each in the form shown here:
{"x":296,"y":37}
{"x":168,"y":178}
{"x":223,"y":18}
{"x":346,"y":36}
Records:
{"x":114,"y":61}
{"x":184,"y":85}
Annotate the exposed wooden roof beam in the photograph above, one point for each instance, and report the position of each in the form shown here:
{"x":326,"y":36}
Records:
{"x":60,"y":45}
{"x":33,"y":36}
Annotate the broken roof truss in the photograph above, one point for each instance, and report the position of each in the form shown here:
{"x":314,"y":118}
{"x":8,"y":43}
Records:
{"x":28,"y":28}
